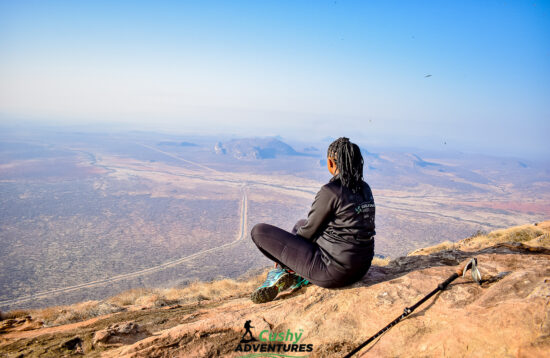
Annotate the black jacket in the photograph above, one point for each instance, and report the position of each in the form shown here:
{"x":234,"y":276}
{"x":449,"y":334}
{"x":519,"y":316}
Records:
{"x":342,"y":224}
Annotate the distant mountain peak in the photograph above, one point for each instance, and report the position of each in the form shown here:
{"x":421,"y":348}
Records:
{"x":255,"y":148}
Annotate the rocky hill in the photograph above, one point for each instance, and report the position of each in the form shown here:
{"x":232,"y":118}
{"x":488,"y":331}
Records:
{"x":256,"y":148}
{"x":507,"y":315}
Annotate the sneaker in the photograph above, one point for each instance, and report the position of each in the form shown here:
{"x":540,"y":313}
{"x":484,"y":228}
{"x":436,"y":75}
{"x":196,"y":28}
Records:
{"x":284,"y":268}
{"x":277,"y":280}
{"x":298,"y":282}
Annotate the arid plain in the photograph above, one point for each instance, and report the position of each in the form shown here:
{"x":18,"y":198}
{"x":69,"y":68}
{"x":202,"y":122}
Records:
{"x":87,"y":216}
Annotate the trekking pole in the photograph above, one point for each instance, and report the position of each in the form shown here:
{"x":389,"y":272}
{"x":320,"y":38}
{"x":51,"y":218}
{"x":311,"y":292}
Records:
{"x":476,"y":276}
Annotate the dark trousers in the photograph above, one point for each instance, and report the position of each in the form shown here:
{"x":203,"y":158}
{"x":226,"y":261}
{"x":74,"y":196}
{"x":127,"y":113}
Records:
{"x":302,"y":256}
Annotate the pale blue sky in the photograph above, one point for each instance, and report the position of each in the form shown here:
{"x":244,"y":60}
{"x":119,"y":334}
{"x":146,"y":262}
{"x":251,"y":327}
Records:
{"x":300,"y":69}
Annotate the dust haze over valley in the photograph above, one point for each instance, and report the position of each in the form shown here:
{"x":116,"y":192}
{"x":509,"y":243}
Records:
{"x":84,"y":215}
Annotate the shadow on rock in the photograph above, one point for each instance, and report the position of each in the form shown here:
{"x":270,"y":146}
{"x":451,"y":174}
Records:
{"x":403,"y":265}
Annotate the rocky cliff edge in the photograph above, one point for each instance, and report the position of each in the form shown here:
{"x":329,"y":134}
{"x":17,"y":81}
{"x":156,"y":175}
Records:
{"x":508,"y":315}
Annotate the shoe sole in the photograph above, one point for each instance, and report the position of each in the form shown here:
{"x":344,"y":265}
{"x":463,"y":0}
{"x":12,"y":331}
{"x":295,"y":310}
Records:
{"x":296,"y":288}
{"x":267,"y":294}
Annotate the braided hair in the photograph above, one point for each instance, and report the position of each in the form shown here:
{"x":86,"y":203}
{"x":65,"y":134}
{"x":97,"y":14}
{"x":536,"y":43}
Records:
{"x":349,"y":162}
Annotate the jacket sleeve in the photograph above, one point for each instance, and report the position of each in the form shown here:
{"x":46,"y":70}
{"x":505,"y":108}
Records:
{"x":322,"y":207}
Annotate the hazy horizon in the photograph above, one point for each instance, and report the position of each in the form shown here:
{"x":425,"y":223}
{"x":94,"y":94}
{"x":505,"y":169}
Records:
{"x":34,"y":128}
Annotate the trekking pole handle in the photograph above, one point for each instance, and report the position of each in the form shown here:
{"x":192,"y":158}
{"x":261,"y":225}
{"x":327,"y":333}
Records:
{"x":460,"y":270}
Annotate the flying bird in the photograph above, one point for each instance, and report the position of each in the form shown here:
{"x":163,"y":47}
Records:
{"x":427,"y":76}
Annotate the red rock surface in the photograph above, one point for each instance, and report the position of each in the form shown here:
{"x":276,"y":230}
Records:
{"x":120,"y":333}
{"x":507,"y":316}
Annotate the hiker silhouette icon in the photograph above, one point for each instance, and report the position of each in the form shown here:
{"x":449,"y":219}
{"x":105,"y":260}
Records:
{"x":247,"y":327}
